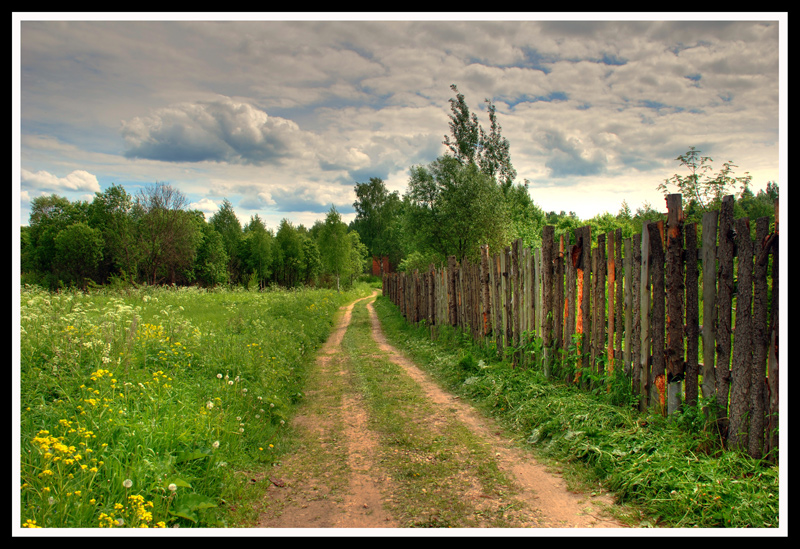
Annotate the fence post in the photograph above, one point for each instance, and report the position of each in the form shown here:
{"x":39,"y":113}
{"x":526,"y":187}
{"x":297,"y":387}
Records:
{"x":742,"y":342}
{"x":692,"y":316}
{"x":658,"y":313}
{"x":674,"y":354}
{"x":724,"y":310}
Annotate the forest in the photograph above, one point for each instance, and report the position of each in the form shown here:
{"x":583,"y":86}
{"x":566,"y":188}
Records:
{"x":466,"y":198}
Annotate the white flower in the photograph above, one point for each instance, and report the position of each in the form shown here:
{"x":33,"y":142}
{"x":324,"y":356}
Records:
{"x":219,"y":376}
{"x":172,"y":487}
{"x":215,"y":444}
{"x":127,"y":483}
{"x":209,"y":404}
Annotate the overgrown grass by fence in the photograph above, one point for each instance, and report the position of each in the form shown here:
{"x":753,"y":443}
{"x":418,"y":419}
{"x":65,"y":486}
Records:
{"x":681,"y":315}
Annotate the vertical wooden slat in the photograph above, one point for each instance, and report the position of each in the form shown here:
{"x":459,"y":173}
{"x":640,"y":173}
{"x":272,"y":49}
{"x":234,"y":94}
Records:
{"x":585,"y":295}
{"x":638,"y":348}
{"x":674,"y":353}
{"x":692,"y":316}
{"x":742,"y":359}
{"x":618,"y":312}
{"x":515,"y":308}
{"x":548,"y":242}
{"x":760,"y":344}
{"x":771,"y":436}
{"x":657,"y":318}
{"x":611,"y":277}
{"x":507,"y":310}
{"x":599,"y":313}
{"x":724,"y":310}
{"x":709,"y":266}
{"x":452,"y":306}
{"x":628,"y":305}
{"x":498,"y":303}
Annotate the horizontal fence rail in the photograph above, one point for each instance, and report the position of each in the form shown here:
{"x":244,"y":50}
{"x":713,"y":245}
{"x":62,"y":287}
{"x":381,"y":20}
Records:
{"x":679,"y":319}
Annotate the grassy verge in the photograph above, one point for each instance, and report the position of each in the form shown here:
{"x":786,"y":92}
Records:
{"x":138,"y":407}
{"x":676,"y":476}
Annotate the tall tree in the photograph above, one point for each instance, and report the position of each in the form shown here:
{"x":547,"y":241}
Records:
{"x":169,"y":235}
{"x":257,"y":246}
{"x":288,"y":257}
{"x":452,"y":209}
{"x":334,"y":247}
{"x":78,"y":251}
{"x":113,"y":213}
{"x":227,"y":224}
{"x":377,"y":211}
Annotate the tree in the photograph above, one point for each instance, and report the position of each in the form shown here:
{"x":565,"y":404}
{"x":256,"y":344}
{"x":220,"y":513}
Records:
{"x":78,"y":251}
{"x":257,"y":250}
{"x":377,"y":211}
{"x":168,"y":236}
{"x":470,"y":144}
{"x":334,"y":247}
{"x":227,"y":224}
{"x":113,"y":213}
{"x":211,"y":264}
{"x":702,"y":190}
{"x":452,"y":209}
{"x":49,"y":216}
{"x":288,"y":257}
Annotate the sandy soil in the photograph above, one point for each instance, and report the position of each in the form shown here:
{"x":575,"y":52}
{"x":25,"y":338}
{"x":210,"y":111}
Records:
{"x":304,"y":496}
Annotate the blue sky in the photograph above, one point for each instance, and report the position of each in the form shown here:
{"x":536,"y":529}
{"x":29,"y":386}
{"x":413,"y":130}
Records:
{"x":281,"y":114}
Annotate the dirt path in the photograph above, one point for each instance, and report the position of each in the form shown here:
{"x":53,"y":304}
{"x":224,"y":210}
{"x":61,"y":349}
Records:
{"x":335,"y":478}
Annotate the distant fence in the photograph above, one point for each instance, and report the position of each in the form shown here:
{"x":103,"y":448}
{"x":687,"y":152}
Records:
{"x":633,"y":306}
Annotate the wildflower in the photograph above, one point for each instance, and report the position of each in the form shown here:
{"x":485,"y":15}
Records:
{"x":209,"y":404}
{"x":127,"y":483}
{"x":30,"y":524}
{"x":172,"y":487}
{"x":215,"y":445}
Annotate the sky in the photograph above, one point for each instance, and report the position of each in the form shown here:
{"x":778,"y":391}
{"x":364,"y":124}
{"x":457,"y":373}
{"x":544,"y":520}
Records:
{"x":282,"y":114}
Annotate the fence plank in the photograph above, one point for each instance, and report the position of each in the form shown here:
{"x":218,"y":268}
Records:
{"x":724,"y":310}
{"x":692,"y":316}
{"x":709,"y":266}
{"x":742,"y":342}
{"x":657,"y":318}
{"x":758,"y":380}
{"x":674,"y":353}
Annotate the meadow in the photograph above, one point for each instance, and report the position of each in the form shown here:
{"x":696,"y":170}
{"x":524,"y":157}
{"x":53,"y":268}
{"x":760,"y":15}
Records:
{"x":141,"y":407}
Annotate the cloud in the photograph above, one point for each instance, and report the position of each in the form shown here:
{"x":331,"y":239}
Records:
{"x":223,"y":130}
{"x":78,"y":180}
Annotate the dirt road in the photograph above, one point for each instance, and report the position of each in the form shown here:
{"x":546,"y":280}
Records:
{"x":337,"y":479}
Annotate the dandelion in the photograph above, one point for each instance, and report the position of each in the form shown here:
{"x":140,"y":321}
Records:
{"x":219,"y":376}
{"x":215,"y":444}
{"x":127,"y":483}
{"x":209,"y":404}
{"x":172,"y":487}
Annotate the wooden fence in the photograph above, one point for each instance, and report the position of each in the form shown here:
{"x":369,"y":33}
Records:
{"x":679,"y":318}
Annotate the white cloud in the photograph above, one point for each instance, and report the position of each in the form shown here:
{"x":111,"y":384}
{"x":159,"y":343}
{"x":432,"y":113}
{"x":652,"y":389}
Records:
{"x":78,"y":180}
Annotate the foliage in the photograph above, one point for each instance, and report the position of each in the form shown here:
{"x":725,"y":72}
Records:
{"x":665,"y":466}
{"x":451,"y":209}
{"x":138,"y":407}
{"x":377,"y":219}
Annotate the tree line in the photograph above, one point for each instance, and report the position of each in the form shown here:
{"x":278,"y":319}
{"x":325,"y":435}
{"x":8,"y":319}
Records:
{"x":154,"y":238}
{"x":465,"y":198}
{"x":468,"y":198}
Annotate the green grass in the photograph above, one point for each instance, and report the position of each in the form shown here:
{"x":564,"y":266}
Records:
{"x":670,"y":468}
{"x":424,"y":459}
{"x":137,"y":407}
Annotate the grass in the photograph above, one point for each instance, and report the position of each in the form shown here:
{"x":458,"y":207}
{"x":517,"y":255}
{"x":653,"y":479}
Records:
{"x":423,"y":458}
{"x":670,"y":469}
{"x":137,"y":407}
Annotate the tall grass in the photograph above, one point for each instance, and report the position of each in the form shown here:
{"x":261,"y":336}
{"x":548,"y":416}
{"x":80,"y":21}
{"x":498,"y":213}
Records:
{"x":671,"y":468}
{"x":137,"y":407}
